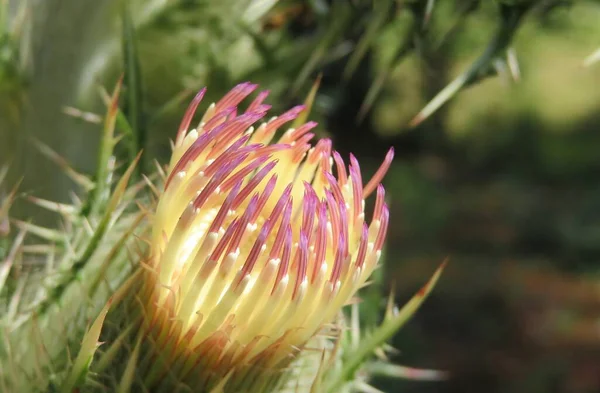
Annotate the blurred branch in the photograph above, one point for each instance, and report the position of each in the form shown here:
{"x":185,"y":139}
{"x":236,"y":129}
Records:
{"x":409,"y":25}
{"x":511,"y":17}
{"x":381,"y":13}
{"x":592,"y":59}
{"x":339,"y":18}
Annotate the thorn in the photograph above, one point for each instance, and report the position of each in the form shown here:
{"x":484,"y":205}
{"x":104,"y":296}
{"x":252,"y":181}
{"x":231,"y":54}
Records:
{"x":60,"y":161}
{"x":44,"y":233}
{"x":8,"y":262}
{"x":85,"y":116}
{"x":308,"y":102}
{"x":151,"y":186}
{"x":57,"y":207}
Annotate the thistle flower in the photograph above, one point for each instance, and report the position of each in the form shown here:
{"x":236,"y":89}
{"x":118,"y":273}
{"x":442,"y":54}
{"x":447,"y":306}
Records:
{"x":256,"y":246}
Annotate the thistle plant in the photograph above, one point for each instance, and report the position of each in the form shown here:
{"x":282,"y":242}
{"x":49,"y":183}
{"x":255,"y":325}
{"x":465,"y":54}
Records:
{"x":245,"y":253}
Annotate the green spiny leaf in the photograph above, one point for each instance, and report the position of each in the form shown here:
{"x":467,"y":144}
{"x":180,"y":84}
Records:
{"x":89,"y":345}
{"x":78,"y":373}
{"x":391,"y":324}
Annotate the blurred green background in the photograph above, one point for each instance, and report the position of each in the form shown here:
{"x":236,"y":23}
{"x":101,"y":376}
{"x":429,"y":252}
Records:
{"x":503,"y":179}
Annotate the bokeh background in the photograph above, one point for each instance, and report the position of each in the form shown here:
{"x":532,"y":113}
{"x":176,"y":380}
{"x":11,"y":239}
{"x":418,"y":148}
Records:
{"x":503,"y":179}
